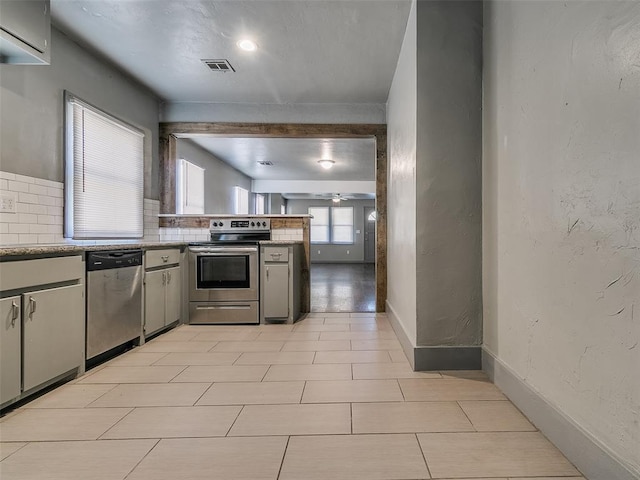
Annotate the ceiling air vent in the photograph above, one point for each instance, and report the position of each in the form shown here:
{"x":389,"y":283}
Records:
{"x":265,"y":162}
{"x":221,"y":65}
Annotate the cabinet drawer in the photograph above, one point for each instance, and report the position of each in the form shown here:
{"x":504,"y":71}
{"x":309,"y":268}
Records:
{"x":276,"y":254}
{"x":29,"y":273}
{"x":158,"y":258}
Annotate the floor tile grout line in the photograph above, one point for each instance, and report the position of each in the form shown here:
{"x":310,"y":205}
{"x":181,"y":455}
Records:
{"x":424,"y":456}
{"x":141,"y":460}
{"x":284,"y":454}
{"x":203,"y":393}
{"x":465,"y":414}
{"x":131,"y":409}
{"x":234,"y":420}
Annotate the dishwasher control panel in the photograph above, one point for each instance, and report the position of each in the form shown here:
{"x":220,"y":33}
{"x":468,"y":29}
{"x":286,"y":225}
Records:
{"x":105,"y":260}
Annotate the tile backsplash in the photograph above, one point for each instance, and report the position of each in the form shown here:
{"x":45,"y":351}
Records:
{"x":38,"y":216}
{"x":287,"y":234}
{"x":39,"y":213}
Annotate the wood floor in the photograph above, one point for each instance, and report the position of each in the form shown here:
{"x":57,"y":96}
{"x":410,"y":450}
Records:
{"x":343,"y":287}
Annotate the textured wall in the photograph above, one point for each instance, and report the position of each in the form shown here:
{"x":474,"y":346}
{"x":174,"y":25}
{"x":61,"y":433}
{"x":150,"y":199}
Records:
{"x":448,"y":173}
{"x":562,"y":208}
{"x":31,"y":110}
{"x":219,"y":178}
{"x":401,"y":184}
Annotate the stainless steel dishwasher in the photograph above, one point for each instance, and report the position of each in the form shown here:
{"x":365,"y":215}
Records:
{"x":114,"y":299}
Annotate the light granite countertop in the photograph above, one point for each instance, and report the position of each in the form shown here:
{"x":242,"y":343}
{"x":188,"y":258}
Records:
{"x":56,"y":249}
{"x":59,"y":249}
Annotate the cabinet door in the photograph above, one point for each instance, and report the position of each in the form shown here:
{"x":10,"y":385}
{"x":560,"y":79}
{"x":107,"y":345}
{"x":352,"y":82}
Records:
{"x":276,"y":290}
{"x":53,"y":329}
{"x":10,"y":346}
{"x":173,"y":296}
{"x":154,"y":302}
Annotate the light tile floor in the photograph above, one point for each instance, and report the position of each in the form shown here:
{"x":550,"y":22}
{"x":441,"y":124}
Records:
{"x":331,"y":397}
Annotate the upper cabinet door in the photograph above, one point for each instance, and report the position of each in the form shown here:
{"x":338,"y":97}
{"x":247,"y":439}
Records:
{"x":28,"y":21}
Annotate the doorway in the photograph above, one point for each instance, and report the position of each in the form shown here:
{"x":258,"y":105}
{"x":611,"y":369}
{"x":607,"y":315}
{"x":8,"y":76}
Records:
{"x":170,"y":132}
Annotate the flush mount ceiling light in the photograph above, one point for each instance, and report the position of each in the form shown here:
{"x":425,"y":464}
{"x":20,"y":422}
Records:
{"x":247,"y":45}
{"x":326,"y":164}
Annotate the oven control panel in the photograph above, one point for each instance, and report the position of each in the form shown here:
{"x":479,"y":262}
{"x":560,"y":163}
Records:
{"x":230,"y":224}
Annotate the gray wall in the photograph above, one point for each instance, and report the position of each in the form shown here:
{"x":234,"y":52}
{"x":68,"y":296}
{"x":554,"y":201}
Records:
{"x":562,"y":209}
{"x":401,"y":185}
{"x":448,"y":173}
{"x":31,"y":110}
{"x":219,"y":178}
{"x":434,"y":183}
{"x":274,"y":202}
{"x":336,"y":253}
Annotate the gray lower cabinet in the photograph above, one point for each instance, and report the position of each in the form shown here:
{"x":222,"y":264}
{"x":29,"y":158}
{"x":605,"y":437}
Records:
{"x":276,"y":290}
{"x":280,"y":268}
{"x":162,"y":298}
{"x":42,"y":331}
{"x":52,"y":333}
{"x":10,"y":348}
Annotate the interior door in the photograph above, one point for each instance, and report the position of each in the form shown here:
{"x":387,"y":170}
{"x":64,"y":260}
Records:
{"x":369,"y":235}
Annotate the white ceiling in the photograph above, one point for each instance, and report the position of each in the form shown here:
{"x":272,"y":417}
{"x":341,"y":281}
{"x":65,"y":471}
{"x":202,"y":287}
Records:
{"x":296,"y":158}
{"x":310,"y":51}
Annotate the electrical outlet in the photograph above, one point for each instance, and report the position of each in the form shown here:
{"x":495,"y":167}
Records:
{"x":8,"y":202}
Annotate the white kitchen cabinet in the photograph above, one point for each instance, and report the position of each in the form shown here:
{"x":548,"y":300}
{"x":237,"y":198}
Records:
{"x":280,"y":271}
{"x":53,"y":333}
{"x":10,"y":349}
{"x":43,"y":327}
{"x":163,"y":290}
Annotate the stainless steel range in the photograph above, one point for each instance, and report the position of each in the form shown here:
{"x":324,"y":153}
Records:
{"x":224,"y":272}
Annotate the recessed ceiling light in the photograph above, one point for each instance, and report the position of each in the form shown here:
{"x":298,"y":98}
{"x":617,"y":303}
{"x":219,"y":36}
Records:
{"x":247,"y":45}
{"x":326,"y":164}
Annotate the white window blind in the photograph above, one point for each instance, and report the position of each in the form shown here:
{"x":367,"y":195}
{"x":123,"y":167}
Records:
{"x":190,"y":184}
{"x":242,"y":201}
{"x":319,"y":224}
{"x":259,"y":204}
{"x":342,"y":224}
{"x":104,"y":182}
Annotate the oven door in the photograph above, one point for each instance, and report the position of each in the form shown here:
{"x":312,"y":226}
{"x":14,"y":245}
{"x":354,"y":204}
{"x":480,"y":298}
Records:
{"x":223,"y":273}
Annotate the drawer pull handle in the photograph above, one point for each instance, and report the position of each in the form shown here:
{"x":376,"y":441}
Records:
{"x":165,"y":258}
{"x":15,"y":311}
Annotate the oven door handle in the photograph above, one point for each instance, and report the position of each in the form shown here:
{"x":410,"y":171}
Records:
{"x":224,"y":307}
{"x":217,"y":251}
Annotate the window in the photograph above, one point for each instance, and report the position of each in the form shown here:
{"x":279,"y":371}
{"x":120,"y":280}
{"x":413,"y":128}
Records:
{"x":259,"y":204}
{"x":342,"y":225}
{"x":319,"y":224}
{"x":332,"y":225}
{"x":104,"y":174}
{"x":190,"y":186}
{"x":241,"y":201}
